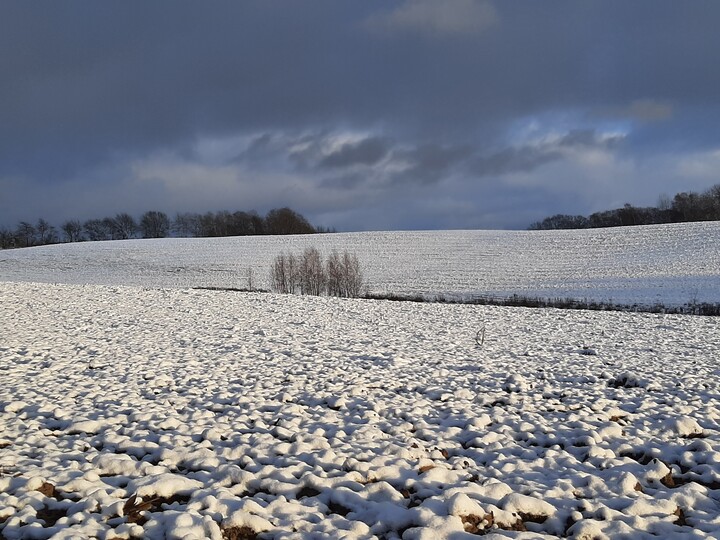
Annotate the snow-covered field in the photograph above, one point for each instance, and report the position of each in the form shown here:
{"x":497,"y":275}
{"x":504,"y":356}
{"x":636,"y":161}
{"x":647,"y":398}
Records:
{"x":670,"y":264}
{"x":136,"y":407}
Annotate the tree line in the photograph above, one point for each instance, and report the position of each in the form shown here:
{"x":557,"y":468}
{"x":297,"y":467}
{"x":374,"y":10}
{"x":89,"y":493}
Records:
{"x":156,"y":224}
{"x":684,"y":207}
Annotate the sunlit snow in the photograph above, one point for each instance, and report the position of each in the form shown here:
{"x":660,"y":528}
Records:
{"x":671,"y":264}
{"x":136,"y":407}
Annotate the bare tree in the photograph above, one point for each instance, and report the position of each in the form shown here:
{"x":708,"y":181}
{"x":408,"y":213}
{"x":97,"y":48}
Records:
{"x":186,"y":224}
{"x":278,"y":273}
{"x":664,"y":202}
{"x":241,"y":224}
{"x":353,"y":276}
{"x":293,"y":266}
{"x":45,"y":232}
{"x":97,"y":229}
{"x":154,"y":224}
{"x":125,"y":226}
{"x":111,"y":228}
{"x":343,"y":275}
{"x":713,"y":195}
{"x":311,"y":274}
{"x":287,"y":221}
{"x":333,"y":274}
{"x":208,"y":225}
{"x":72,"y":229}
{"x":223,"y":223}
{"x":284,"y":274}
{"x":25,"y":233}
{"x":8,"y":239}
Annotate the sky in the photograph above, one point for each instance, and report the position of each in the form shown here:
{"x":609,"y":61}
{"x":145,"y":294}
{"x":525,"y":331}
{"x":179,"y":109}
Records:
{"x":371,"y":115}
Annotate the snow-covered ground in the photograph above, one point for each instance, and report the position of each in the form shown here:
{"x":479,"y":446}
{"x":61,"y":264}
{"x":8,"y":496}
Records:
{"x":132,"y":406}
{"x":669,"y":264}
{"x":178,"y":413}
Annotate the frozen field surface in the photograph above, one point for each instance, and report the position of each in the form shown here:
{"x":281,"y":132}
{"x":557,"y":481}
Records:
{"x":669,"y":264}
{"x":128,"y":412}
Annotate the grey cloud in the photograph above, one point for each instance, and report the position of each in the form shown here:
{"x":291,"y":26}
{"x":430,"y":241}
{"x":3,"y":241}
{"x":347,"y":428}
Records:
{"x":365,"y":152}
{"x":529,"y":157}
{"x":644,"y":110}
{"x":421,"y":164}
{"x":451,"y":17}
{"x":261,"y":144}
{"x":344,"y":182}
{"x":650,"y":110}
{"x":434,"y":157}
{"x":88,"y":85}
{"x":430,"y":163}
{"x":277,"y":147}
{"x":588,"y":138}
{"x":304,"y":151}
{"x":510,"y":160}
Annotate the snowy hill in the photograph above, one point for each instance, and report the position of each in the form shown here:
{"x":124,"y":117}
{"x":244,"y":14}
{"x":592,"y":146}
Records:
{"x":188,"y":414}
{"x":669,"y":264}
{"x":161,"y":412}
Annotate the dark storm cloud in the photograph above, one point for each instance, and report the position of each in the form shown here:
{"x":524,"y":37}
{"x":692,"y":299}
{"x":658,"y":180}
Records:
{"x":587,"y":138}
{"x":430,"y":163}
{"x":527,"y":158}
{"x":344,"y":182}
{"x":461,"y":17}
{"x":510,"y":160}
{"x":423,"y":164}
{"x":365,"y":152}
{"x":412,"y":92}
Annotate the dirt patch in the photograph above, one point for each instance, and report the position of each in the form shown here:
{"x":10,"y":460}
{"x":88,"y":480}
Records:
{"x":47,"y":489}
{"x":135,"y":507}
{"x":532,"y":518}
{"x":50,"y":516}
{"x":239,"y":533}
{"x":477,"y":524}
{"x":517,"y":525}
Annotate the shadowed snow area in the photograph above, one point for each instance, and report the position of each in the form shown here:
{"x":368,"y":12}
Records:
{"x":128,"y":412}
{"x":673,"y":265}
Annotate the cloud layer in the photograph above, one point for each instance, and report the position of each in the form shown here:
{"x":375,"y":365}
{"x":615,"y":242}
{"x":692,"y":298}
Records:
{"x":368,"y":115}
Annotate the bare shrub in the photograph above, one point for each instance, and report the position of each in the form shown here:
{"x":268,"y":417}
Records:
{"x":352,"y":275}
{"x":284,"y":274}
{"x":333,"y":274}
{"x":311,"y":273}
{"x":340,"y":275}
{"x":344,"y":275}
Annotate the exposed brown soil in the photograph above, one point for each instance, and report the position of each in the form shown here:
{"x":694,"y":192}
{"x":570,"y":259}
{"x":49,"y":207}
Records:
{"x":239,"y":533}
{"x":50,"y":515}
{"x":47,"y":489}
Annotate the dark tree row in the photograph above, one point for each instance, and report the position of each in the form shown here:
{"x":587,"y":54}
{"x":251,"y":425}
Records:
{"x":277,"y":221}
{"x":683,"y":207}
{"x":155,"y":224}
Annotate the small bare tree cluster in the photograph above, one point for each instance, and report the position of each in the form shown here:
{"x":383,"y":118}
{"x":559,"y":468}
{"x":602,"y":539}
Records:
{"x":283,"y":274}
{"x":339,"y":275}
{"x":343,"y":275}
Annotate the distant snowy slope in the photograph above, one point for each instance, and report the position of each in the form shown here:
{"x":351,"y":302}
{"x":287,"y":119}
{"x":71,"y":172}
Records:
{"x":673,"y":264}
